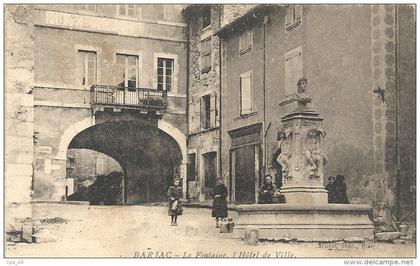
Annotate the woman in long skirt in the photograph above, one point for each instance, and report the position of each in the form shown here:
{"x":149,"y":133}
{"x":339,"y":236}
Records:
{"x":219,"y":201}
{"x":174,"y":197}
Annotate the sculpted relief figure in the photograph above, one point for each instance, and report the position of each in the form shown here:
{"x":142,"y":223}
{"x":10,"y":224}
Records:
{"x":313,"y":156}
{"x":284,"y":145}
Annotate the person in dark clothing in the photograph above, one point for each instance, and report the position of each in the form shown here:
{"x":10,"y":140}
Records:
{"x":219,"y":194}
{"x":267,"y":190}
{"x":330,"y":187}
{"x":174,"y":197}
{"x":341,"y":190}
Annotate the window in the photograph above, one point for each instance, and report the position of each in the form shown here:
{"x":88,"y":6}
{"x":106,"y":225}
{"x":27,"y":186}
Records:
{"x":71,"y":163}
{"x":127,"y":10}
{"x":165,"y":74}
{"x":169,"y":12}
{"x":246,"y":93}
{"x":210,"y":169}
{"x":206,"y":17}
{"x":87,"y":67}
{"x":191,"y":167}
{"x":127,"y":70}
{"x":208,"y":111}
{"x":205,"y":52}
{"x":293,"y":16}
{"x":293,"y":66}
{"x":85,"y":7}
{"x":245,"y":42}
{"x":205,"y":112}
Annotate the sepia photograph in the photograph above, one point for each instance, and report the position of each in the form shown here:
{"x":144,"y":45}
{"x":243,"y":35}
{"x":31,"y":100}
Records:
{"x":210,"y":130}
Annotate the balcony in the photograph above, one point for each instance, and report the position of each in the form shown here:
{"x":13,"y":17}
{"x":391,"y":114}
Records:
{"x":128,"y":98}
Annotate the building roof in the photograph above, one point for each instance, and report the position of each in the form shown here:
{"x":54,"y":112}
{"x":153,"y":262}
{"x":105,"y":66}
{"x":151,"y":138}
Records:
{"x":252,"y":15}
{"x":194,"y":8}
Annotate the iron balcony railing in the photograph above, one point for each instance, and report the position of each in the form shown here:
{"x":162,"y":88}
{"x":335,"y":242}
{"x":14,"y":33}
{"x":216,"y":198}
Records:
{"x":129,"y":97}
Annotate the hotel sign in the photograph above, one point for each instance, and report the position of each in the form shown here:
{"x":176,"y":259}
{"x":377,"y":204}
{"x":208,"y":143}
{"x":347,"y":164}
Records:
{"x":108,"y":25}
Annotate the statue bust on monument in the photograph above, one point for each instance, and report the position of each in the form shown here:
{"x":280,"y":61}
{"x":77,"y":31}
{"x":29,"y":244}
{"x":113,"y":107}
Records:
{"x":300,"y":97}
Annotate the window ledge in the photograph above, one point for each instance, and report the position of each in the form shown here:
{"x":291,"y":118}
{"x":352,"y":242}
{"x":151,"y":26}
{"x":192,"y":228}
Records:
{"x":203,"y":131}
{"x":246,"y":115}
{"x":176,"y":95}
{"x":242,"y":52}
{"x":293,"y":25}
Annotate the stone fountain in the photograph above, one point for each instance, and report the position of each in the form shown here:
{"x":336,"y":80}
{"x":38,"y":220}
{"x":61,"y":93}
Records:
{"x":306,"y":214}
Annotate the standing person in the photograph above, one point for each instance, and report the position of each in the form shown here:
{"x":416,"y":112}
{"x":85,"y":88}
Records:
{"x":330,"y":187}
{"x":174,"y":196}
{"x":341,"y":190}
{"x":267,"y":190}
{"x":219,"y":194}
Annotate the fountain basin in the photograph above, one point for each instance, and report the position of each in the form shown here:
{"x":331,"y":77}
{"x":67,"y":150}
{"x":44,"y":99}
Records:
{"x":306,"y":222}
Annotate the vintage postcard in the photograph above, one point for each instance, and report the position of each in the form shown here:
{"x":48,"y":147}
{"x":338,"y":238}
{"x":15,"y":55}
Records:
{"x":210,"y":131}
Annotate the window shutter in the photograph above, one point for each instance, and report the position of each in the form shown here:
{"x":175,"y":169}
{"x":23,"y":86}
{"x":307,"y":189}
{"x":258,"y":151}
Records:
{"x":289,"y":15}
{"x":195,"y":116}
{"x":241,"y":43}
{"x":289,"y":76}
{"x":246,"y":94}
{"x":297,"y":69}
{"x":202,"y":113}
{"x":216,"y":108}
{"x":298,"y":12}
{"x":293,"y":66}
{"x":213,"y":110}
{"x":250,"y":36}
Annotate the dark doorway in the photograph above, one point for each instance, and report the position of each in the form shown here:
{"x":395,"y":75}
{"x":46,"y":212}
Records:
{"x":210,"y":172}
{"x":245,"y":175}
{"x":149,"y":157}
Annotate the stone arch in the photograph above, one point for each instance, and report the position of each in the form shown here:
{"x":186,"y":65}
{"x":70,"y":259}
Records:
{"x":177,"y":135}
{"x":163,"y":125}
{"x":70,"y":133}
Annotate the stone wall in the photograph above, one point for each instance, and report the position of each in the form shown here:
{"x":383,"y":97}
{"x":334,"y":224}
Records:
{"x":406,"y":81}
{"x":343,"y":71}
{"x":232,"y":12}
{"x":63,"y":106}
{"x":200,"y":140}
{"x":19,"y":116}
{"x":87,"y":165}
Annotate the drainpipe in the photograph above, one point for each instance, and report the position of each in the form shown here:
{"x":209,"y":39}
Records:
{"x":397,"y":121}
{"x":264,"y":99}
{"x":220,"y":96}
{"x":187,"y":95}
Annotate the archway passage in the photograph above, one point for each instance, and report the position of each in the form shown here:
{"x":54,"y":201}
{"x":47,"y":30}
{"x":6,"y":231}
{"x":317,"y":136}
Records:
{"x":97,"y":177}
{"x":150,"y":158}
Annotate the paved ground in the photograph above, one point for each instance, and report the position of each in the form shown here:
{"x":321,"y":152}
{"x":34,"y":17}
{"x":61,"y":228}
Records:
{"x":131,"y":231}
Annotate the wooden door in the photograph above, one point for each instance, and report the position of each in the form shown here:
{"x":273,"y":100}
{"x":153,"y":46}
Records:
{"x":245,"y":175}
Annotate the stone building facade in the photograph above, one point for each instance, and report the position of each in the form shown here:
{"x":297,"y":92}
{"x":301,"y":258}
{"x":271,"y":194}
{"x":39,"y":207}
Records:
{"x":60,"y":61}
{"x":203,"y":84}
{"x":355,"y":75}
{"x":203,"y":100}
{"x":19,"y":116}
{"x":204,"y":76}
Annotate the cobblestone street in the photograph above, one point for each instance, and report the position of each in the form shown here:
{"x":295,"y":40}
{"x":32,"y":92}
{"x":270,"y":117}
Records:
{"x":145,"y":231}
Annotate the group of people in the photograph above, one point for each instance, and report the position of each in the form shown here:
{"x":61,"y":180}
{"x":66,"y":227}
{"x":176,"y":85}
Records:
{"x":337,"y":190}
{"x":219,"y":194}
{"x":337,"y":193}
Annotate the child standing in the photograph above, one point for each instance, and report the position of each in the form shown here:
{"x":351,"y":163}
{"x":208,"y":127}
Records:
{"x":174,"y":196}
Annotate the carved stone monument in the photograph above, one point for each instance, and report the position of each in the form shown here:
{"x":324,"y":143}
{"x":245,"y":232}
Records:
{"x":306,"y":214}
{"x":302,"y":158}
